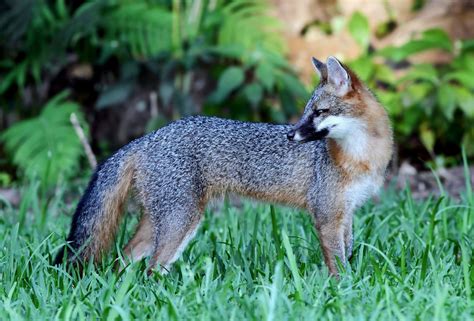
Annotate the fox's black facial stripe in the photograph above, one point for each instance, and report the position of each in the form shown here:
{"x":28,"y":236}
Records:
{"x":306,"y":130}
{"x":308,"y":133}
{"x":316,"y":135}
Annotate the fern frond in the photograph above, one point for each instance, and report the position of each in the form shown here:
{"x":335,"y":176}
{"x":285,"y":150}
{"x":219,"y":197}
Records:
{"x":144,"y":29}
{"x":46,"y":146}
{"x":15,"y":18}
{"x":247,"y":23}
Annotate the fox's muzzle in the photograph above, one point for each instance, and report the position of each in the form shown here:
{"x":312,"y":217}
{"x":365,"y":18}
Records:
{"x":291,"y":135}
{"x":306,"y":134}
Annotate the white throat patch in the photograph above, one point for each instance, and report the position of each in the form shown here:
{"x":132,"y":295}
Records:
{"x":349,"y":132}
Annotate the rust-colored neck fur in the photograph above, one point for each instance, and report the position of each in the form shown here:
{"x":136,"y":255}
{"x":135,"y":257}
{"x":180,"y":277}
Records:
{"x":377,"y":141}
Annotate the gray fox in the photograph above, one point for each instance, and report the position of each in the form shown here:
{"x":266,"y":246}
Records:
{"x":329,"y":163}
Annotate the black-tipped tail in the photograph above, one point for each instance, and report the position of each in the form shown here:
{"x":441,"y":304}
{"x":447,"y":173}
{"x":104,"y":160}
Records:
{"x":98,"y":213}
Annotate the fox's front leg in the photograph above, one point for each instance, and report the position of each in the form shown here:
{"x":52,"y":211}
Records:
{"x":348,"y":235}
{"x":331,"y":236}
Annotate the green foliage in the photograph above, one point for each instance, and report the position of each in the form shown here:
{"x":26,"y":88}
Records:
{"x":249,"y":29}
{"x":359,"y":29}
{"x":141,"y":28}
{"x":19,"y":35}
{"x":249,"y":34}
{"x":229,"y":80}
{"x":172,"y":40}
{"x":46,"y":147}
{"x":430,"y":39}
{"x":137,"y":29}
{"x":435,"y":103}
{"x":412,"y":260}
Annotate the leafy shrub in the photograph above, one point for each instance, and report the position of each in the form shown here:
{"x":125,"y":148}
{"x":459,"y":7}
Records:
{"x":46,"y":147}
{"x":250,"y":36}
{"x":169,"y":41}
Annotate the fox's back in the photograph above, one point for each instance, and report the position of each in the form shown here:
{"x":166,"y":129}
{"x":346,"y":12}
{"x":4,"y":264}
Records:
{"x":254,"y":159}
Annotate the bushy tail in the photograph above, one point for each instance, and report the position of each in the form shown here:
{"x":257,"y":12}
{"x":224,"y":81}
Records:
{"x":98,"y":213}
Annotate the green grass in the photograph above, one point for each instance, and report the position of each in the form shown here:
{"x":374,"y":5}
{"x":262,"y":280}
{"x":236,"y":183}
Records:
{"x":412,"y":261}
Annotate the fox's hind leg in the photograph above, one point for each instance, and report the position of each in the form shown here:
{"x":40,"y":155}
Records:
{"x":172,"y":194}
{"x":174,"y":231}
{"x":141,"y":245}
{"x":175,"y":220}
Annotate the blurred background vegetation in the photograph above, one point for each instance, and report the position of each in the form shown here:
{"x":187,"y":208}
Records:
{"x":127,"y":67}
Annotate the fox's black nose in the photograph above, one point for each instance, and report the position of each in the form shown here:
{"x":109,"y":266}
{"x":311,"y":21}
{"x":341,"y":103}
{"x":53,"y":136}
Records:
{"x":290,"y":135}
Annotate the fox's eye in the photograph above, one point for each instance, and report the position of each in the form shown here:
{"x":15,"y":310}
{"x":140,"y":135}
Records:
{"x":319,"y":112}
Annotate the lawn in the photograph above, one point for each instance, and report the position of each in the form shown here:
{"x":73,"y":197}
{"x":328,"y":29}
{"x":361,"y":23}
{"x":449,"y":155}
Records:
{"x":412,"y":261}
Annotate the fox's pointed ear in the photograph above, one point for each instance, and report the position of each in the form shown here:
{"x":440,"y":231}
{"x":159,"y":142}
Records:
{"x":338,"y":76}
{"x":320,"y":68}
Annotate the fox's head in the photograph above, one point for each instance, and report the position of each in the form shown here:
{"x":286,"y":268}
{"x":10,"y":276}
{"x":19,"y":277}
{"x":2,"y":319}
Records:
{"x":335,"y":108}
